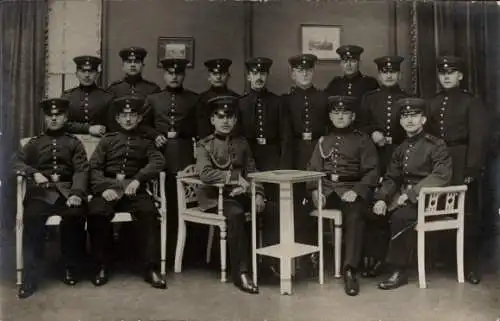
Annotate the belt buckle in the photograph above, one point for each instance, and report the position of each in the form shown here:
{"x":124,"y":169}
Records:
{"x":120,"y":176}
{"x":334,"y":177}
{"x":261,"y":141}
{"x":55,"y":177}
{"x":388,"y":140}
{"x":172,"y":134}
{"x":307,"y":136}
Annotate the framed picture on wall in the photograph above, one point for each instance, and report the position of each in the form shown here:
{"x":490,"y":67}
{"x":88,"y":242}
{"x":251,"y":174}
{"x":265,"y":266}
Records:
{"x":176,"y":47}
{"x":320,"y":40}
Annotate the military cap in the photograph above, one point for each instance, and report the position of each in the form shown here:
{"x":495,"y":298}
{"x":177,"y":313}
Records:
{"x":449,"y":63}
{"x":342,"y":103}
{"x":257,"y":64}
{"x":350,"y":52}
{"x":127,"y":104}
{"x":87,"y":62}
{"x":54,"y":106}
{"x":218,"y":64}
{"x":389,"y":63}
{"x":223,"y":105}
{"x":176,"y":65}
{"x":411,"y":106}
{"x":133,"y":53}
{"x":303,"y":61}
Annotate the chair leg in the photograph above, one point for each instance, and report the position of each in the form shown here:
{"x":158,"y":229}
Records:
{"x":163,"y":267}
{"x":211,"y":231}
{"x":460,"y":255}
{"x":19,"y":253}
{"x":223,"y":249}
{"x":181,"y":242}
{"x":421,"y":259}
{"x":338,"y":249}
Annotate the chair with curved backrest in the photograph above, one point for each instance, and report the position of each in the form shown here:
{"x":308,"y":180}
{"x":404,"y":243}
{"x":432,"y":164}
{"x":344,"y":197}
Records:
{"x":440,"y":209}
{"x":156,"y":188}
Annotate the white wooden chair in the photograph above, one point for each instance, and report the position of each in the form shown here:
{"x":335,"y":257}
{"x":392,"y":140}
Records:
{"x":440,"y":208}
{"x":156,"y":188}
{"x":335,"y":217}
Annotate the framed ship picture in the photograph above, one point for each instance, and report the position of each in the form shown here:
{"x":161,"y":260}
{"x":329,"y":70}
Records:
{"x":320,"y":40}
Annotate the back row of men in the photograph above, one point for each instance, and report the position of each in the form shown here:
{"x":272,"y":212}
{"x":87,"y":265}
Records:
{"x":365,"y":121}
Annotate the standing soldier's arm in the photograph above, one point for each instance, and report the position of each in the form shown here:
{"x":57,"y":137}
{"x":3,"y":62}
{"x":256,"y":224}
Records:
{"x":285,"y":135}
{"x":250,"y":166}
{"x":368,"y":169}
{"x":147,"y":125}
{"x":365,"y":123}
{"x":441,"y":171}
{"x":316,"y":164}
{"x":156,"y":163}
{"x":478,"y":138}
{"x":80,"y":171}
{"x":393,"y":178}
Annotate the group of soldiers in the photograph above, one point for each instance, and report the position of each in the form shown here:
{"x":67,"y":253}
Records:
{"x":377,"y":144}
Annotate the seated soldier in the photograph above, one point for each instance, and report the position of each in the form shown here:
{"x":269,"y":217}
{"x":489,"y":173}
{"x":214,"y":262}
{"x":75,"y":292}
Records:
{"x":350,"y":159}
{"x":56,"y":169}
{"x":121,"y":166}
{"x":223,"y":158}
{"x":422,"y":160}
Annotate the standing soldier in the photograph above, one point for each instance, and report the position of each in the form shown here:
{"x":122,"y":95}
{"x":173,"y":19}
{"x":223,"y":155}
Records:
{"x":121,"y":166}
{"x":352,"y":82}
{"x":218,"y":76}
{"x":308,"y":116}
{"x":263,"y":122}
{"x":172,"y":118}
{"x":380,"y":119}
{"x":349,"y":159}
{"x":422,"y":160}
{"x":461,"y":120}
{"x":224,"y":158}
{"x":88,"y":104}
{"x":56,"y":169}
{"x":132,"y":83}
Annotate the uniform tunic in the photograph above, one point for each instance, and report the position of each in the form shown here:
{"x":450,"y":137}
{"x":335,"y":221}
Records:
{"x":88,"y":106}
{"x":356,"y":85}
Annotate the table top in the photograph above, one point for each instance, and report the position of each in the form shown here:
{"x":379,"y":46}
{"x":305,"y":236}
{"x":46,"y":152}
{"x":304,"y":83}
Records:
{"x":285,"y":176}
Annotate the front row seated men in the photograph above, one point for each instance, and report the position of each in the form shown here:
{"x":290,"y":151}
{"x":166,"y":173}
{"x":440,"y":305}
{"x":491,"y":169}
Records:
{"x":422,"y":160}
{"x":227,"y":159}
{"x":56,"y":169}
{"x":120,"y":167}
{"x":350,"y":159}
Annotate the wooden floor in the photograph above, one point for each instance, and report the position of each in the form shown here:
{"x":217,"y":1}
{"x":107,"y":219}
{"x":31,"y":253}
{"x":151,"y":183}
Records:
{"x":196,"y":294}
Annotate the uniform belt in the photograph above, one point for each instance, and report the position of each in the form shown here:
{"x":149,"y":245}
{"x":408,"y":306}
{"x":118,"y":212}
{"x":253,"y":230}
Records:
{"x":457,"y":142}
{"x":177,"y":135}
{"x":301,"y":137}
{"x":265,"y":141}
{"x":343,"y":178}
{"x":115,"y":175}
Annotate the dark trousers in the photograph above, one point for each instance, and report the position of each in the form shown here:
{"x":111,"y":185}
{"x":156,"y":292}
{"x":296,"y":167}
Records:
{"x":353,"y":221}
{"x":402,"y":220}
{"x":304,"y":225}
{"x":376,"y":237}
{"x":146,"y":226}
{"x":237,"y":234}
{"x":72,"y":232}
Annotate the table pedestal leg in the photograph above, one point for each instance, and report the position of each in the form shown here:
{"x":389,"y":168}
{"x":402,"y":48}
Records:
{"x":285,"y":276}
{"x":287,"y":233}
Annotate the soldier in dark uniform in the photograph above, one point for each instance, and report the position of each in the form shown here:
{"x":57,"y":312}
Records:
{"x":380,"y":119}
{"x":172,"y":119}
{"x":349,"y":159}
{"x":56,"y":168}
{"x":352,"y":82}
{"x":133,"y":83}
{"x":121,"y":166}
{"x":264,"y":123}
{"x":218,"y":76}
{"x":306,"y":107}
{"x":224,"y":158}
{"x":461,"y":120}
{"x":88,"y":104}
{"x":422,"y":160}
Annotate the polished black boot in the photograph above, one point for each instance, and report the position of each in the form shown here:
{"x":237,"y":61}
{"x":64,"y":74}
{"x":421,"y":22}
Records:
{"x":351,"y":285}
{"x":69,"y":276}
{"x":154,"y":278}
{"x":245,"y":284}
{"x":28,"y":288}
{"x":473,"y":277}
{"x":101,"y":276}
{"x":396,"y":280}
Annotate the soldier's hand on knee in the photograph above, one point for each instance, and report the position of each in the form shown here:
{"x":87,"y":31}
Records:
{"x":349,"y":196}
{"x":260,"y":202}
{"x":237,"y":191}
{"x":315,"y":199}
{"x":132,"y":187}
{"x":40,"y":179}
{"x":402,"y":199}
{"x":243,"y":183}
{"x":380,"y":208}
{"x":97,"y":130}
{"x":468,"y":180}
{"x":378,"y":138}
{"x":74,"y":200}
{"x":160,"y":140}
{"x":110,"y":195}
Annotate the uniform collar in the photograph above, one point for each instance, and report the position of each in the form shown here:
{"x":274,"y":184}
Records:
{"x":55,"y":133}
{"x":133,"y":132}
{"x":391,"y":89}
{"x":452,"y":90}
{"x":175,"y":90}
{"x":416,"y":137}
{"x":88,"y":88}
{"x":219,"y":90}
{"x":133,"y":79}
{"x":353,"y":76}
{"x":346,"y":130}
{"x":221,"y":136}
{"x":306,"y":90}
